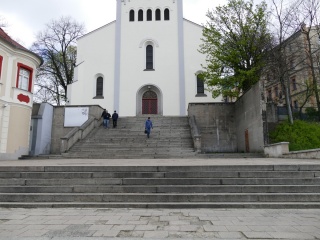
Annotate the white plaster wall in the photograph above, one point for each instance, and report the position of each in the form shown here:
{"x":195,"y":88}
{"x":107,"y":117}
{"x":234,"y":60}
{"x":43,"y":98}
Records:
{"x":44,"y":129}
{"x":133,"y":56}
{"x":193,"y":61}
{"x":96,"y":52}
{"x":13,"y":144}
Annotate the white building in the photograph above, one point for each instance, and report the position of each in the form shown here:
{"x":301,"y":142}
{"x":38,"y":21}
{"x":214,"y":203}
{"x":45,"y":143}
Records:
{"x":17,"y":73}
{"x":145,"y":62}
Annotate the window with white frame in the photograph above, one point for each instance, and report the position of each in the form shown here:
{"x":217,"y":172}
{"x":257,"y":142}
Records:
{"x":149,"y":15}
{"x":158,"y":15}
{"x":149,"y":57}
{"x":99,"y":87}
{"x":166,"y":14}
{"x":24,"y":77}
{"x":140,"y":15}
{"x":131,"y":16}
{"x":200,"y":87}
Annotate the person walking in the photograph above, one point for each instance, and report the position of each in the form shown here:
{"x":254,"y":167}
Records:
{"x":148,"y":126}
{"x":106,"y":118}
{"x":115,"y":117}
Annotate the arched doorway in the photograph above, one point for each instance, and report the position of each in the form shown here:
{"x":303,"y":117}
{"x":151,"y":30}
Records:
{"x":149,"y":103}
{"x":149,"y":100}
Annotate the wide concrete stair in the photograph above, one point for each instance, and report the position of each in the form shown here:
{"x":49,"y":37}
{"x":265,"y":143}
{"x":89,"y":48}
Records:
{"x":170,"y":138}
{"x":221,"y":186}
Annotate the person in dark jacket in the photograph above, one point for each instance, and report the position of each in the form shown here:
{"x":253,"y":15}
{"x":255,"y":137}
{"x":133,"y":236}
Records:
{"x":115,"y":117}
{"x":106,"y":118}
{"x":148,"y":126}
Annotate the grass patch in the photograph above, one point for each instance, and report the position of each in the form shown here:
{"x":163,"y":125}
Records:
{"x":301,"y":135}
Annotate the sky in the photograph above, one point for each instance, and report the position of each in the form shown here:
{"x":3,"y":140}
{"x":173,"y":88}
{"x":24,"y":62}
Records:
{"x":24,"y":19}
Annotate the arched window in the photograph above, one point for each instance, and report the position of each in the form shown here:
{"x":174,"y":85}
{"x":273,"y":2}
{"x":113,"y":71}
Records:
{"x":158,"y":15}
{"x":166,"y":14}
{"x":149,"y":57}
{"x":99,"y":87}
{"x":200,"y":85}
{"x":149,"y":15}
{"x":140,"y":15}
{"x":131,"y":16}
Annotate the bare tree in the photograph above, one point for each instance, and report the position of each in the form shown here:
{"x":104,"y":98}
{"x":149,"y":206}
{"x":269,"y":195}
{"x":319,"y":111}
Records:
{"x":279,"y":57}
{"x":307,"y":17}
{"x":57,"y":46}
{"x":2,"y":22}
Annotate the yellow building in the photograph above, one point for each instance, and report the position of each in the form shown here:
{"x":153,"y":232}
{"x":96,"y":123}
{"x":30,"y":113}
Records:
{"x":17,"y":75}
{"x":295,"y":69}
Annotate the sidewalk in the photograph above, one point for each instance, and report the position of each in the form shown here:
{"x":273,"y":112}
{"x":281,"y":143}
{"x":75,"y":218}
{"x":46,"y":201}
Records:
{"x":159,"y":224}
{"x":94,"y":224}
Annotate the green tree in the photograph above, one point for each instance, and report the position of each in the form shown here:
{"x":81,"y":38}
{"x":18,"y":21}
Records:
{"x":235,"y":40}
{"x":57,"y":46}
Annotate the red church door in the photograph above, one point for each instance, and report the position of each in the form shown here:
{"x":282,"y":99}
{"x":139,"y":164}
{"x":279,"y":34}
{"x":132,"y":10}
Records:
{"x":149,"y":103}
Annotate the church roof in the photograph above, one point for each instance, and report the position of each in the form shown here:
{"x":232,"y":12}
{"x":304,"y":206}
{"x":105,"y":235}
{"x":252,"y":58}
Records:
{"x":6,"y":38}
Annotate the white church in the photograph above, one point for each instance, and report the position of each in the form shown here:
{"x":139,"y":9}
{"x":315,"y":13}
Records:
{"x":144,"y":62}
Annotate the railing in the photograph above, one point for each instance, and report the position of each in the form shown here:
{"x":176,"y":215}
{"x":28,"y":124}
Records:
{"x":195,"y":133}
{"x":78,"y":133}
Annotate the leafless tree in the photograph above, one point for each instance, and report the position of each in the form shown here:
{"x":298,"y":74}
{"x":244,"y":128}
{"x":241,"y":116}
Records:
{"x":2,"y":22}
{"x":57,"y":46}
{"x":279,"y":57}
{"x":307,"y":19}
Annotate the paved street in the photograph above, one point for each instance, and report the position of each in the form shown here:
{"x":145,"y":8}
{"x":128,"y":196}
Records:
{"x":159,"y":224}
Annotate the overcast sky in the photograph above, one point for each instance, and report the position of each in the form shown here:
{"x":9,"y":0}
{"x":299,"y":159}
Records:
{"x":25,"y":18}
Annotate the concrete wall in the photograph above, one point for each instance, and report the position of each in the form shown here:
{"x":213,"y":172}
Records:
{"x":216,"y":122}
{"x":58,"y":129}
{"x":233,"y":127}
{"x":41,"y":129}
{"x":250,"y":110}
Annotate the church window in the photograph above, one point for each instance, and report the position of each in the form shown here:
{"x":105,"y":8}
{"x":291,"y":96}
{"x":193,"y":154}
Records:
{"x":140,"y":15}
{"x":24,"y":77}
{"x":158,"y":15}
{"x":200,"y":85}
{"x":149,"y":57}
{"x":149,"y":15}
{"x":99,"y":87}
{"x":131,"y":17}
{"x":1,"y":59}
{"x":166,"y":14}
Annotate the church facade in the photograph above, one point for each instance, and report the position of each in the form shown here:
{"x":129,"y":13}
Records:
{"x":145,"y":62}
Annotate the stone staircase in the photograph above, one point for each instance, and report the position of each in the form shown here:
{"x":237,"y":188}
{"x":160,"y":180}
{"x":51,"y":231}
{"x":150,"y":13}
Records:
{"x":170,"y":138}
{"x":219,"y":186}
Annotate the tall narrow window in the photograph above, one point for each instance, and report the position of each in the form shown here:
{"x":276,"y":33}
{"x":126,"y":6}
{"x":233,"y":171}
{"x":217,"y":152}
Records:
{"x":24,"y":77}
{"x":1,"y":59}
{"x":149,"y":15}
{"x":99,"y":89}
{"x":200,"y":85}
{"x":294,"y":84}
{"x":166,"y":14}
{"x":276,"y":91}
{"x":140,"y":15}
{"x":131,"y":16}
{"x":269,"y":97}
{"x":149,"y":57}
{"x":158,"y":15}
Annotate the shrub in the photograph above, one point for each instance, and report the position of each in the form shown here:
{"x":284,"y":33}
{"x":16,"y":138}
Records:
{"x":301,"y":135}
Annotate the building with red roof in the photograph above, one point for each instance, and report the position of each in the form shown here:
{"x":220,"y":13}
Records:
{"x":17,"y":75}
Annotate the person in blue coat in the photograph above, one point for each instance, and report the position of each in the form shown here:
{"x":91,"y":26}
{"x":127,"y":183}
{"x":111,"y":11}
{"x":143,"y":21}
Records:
{"x":148,"y":126}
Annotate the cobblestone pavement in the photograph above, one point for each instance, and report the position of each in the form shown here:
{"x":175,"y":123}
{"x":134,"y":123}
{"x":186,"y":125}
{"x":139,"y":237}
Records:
{"x":88,"y":224}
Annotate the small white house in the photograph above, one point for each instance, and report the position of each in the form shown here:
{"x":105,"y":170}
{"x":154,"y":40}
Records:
{"x":145,"y":62}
